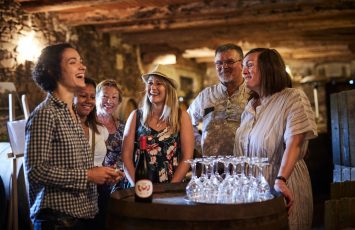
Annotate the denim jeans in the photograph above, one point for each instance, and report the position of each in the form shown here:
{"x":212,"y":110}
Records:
{"x":48,"y":219}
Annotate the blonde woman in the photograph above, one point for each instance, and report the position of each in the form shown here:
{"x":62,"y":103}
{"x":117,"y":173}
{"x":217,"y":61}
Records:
{"x":108,"y":98}
{"x":169,"y":131}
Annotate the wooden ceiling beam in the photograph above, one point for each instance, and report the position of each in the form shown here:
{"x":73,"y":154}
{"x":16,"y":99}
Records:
{"x":119,"y":17}
{"x":40,"y":6}
{"x":61,"y":5}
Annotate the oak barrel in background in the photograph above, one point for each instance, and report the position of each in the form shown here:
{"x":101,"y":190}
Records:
{"x":3,"y":205}
{"x":342,"y":109}
{"x":170,"y":210}
{"x":339,"y":211}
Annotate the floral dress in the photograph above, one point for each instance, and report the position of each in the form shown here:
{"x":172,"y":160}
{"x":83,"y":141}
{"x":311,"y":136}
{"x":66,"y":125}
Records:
{"x":163,"y":148}
{"x":113,"y":156}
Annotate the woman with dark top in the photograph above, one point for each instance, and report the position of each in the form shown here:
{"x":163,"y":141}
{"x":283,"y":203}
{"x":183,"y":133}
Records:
{"x":109,"y":96}
{"x":169,"y":132}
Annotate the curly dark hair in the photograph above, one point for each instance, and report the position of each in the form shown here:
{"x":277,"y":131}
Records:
{"x":47,"y":71}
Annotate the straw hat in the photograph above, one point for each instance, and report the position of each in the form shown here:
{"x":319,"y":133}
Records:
{"x":164,"y":71}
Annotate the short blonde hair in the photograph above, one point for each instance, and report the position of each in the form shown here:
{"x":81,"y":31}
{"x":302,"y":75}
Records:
{"x":109,"y":83}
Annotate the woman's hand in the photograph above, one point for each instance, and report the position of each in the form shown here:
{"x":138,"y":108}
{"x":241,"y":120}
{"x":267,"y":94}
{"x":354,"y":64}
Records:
{"x":104,"y":175}
{"x":280,"y":186}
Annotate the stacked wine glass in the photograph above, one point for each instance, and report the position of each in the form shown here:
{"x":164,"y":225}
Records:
{"x":242,"y":181}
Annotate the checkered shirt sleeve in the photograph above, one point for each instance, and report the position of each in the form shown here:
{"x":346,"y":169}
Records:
{"x":57,"y":158}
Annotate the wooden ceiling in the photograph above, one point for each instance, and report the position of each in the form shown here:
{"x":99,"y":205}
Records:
{"x":317,"y":31}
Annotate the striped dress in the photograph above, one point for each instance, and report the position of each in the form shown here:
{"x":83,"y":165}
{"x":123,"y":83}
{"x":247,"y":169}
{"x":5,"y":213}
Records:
{"x":264,"y":132}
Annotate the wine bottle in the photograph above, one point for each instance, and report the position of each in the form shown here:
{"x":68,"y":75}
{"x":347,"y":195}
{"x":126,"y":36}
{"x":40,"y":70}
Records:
{"x":143,"y":176}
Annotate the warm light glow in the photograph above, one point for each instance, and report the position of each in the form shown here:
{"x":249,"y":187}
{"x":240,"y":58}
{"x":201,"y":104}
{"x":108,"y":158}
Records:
{"x":199,"y":53}
{"x":288,"y":70}
{"x":166,"y":59}
{"x":28,"y":48}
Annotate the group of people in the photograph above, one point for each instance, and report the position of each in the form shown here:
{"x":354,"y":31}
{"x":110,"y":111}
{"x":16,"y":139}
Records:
{"x":77,"y":151}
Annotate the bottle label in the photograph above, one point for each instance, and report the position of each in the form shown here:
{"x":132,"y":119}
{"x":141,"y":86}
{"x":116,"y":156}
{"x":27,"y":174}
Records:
{"x":144,"y":188}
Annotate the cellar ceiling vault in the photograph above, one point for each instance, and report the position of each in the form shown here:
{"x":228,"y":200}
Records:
{"x":317,"y":31}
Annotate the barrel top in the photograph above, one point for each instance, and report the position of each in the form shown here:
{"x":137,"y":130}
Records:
{"x":169,"y":200}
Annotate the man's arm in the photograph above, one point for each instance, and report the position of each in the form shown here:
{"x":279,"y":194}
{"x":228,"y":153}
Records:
{"x":193,"y":112}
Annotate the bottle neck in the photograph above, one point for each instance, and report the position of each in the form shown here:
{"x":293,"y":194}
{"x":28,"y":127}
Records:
{"x":143,"y":143}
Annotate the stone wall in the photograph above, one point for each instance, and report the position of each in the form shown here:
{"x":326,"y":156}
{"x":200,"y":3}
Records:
{"x":99,"y":52}
{"x":107,"y":57}
{"x":14,"y":25}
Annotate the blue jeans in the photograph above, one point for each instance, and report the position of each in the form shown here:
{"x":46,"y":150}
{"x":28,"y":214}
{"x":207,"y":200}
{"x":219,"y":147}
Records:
{"x":48,"y":219}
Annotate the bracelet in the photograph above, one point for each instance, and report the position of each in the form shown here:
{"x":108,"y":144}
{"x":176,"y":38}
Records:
{"x":281,"y":178}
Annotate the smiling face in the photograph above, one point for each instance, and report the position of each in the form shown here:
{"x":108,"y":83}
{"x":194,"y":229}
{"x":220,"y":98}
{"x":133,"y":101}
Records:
{"x":107,"y":100}
{"x":228,"y":67}
{"x":85,"y":100}
{"x":251,"y":72}
{"x":155,"y":90}
{"x":72,"y":70}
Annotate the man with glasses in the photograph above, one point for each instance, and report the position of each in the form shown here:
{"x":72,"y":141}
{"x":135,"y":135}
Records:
{"x":220,"y":106}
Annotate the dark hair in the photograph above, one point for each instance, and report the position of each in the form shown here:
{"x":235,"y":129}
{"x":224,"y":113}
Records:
{"x":47,"y":71}
{"x":229,"y":46}
{"x":272,"y":69}
{"x":91,"y":119}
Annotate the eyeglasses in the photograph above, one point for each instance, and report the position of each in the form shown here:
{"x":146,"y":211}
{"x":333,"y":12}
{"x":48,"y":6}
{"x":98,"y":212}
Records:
{"x":228,"y":63}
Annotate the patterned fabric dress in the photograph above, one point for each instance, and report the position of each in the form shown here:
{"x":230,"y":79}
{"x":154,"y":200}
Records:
{"x":220,"y":117}
{"x":113,"y":157}
{"x":265,"y":131}
{"x":163,"y":148}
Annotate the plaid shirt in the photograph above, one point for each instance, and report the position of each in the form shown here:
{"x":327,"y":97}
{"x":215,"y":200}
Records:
{"x":57,"y":158}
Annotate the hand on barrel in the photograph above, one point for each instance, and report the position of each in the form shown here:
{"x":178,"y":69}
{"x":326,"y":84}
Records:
{"x":281,"y":186}
{"x":104,"y":175}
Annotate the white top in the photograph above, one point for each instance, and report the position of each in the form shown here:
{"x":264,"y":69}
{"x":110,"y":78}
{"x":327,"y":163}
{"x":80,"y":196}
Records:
{"x":100,"y":145}
{"x":265,"y":131}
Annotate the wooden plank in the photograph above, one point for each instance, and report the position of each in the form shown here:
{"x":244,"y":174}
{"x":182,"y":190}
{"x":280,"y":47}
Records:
{"x":334,"y":114}
{"x":351,"y":125}
{"x":343,"y":189}
{"x":331,"y":219}
{"x":339,"y":214}
{"x":344,"y":128}
{"x":347,"y":213}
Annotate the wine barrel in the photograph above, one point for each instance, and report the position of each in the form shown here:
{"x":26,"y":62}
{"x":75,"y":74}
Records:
{"x":2,"y":204}
{"x":23,"y":204}
{"x":170,"y":210}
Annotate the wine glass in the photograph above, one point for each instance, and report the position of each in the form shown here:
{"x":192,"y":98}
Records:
{"x":225,"y":188}
{"x":193,"y":188}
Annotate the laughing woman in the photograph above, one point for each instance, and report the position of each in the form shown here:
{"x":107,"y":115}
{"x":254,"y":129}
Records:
{"x":58,"y":164}
{"x":277,"y":122}
{"x":170,"y":139}
{"x":84,"y":102}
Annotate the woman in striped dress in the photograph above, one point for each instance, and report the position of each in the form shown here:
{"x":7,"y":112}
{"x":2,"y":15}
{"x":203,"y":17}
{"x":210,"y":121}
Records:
{"x":277,"y":122}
